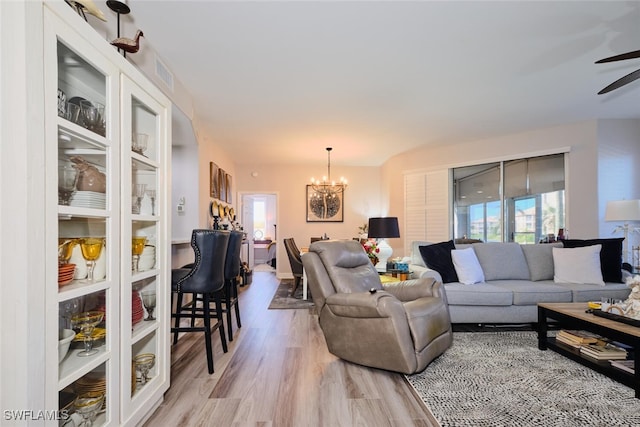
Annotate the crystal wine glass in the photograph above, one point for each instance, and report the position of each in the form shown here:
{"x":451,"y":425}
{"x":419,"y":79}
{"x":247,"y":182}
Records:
{"x":144,"y":362}
{"x":67,"y":181}
{"x":149,"y":302}
{"x":87,"y":406}
{"x":67,"y":309}
{"x":91,"y":248}
{"x":65,"y":249}
{"x":86,"y":322}
{"x":152,"y":196}
{"x":139,"y":193}
{"x":137,"y":247}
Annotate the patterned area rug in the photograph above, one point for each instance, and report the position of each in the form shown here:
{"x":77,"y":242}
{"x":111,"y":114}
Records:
{"x":284,"y":300}
{"x":502,"y":379}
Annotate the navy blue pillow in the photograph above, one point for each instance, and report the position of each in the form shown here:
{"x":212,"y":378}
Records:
{"x":438,"y":257}
{"x":610,"y":256}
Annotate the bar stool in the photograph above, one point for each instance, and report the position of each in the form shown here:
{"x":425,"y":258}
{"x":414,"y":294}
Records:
{"x":205,"y":277}
{"x":231,"y":273}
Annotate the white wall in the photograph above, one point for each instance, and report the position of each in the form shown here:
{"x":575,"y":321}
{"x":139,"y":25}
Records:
{"x":584,"y":141}
{"x":361,"y":201}
{"x":618,"y":171}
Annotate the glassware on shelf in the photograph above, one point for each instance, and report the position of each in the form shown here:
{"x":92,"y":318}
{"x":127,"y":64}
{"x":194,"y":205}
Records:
{"x":87,"y":406}
{"x":91,"y":248}
{"x":68,"y":309}
{"x":149,"y":302}
{"x":139,"y":143}
{"x":86,"y":323}
{"x":67,"y":181}
{"x":152,"y":196}
{"x":92,"y":116}
{"x":144,"y":362}
{"x":73,"y":113}
{"x":137,"y":247}
{"x":65,"y":249}
{"x":139,"y":190}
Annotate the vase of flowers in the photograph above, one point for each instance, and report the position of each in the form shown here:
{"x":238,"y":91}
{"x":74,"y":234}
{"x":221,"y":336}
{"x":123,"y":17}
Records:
{"x":371,"y":248}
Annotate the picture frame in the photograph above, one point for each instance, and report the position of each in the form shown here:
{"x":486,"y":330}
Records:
{"x":214,"y":186}
{"x":324,"y":208}
{"x":228,"y":187}
{"x":222,"y":181}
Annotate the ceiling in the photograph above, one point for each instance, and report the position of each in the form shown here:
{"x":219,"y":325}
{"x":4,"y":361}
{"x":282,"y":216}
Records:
{"x":276,"y":82}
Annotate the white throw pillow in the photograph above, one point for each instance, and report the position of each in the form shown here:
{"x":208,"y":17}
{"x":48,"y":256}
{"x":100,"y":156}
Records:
{"x":577,"y":265}
{"x":467,"y":266}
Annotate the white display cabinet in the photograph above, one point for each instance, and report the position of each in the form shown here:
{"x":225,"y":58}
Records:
{"x":97,"y":110}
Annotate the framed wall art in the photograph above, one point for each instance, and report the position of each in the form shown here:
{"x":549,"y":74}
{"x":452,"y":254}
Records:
{"x":214,"y":180}
{"x":324,"y":207}
{"x":227,"y":185}
{"x":222,"y":181}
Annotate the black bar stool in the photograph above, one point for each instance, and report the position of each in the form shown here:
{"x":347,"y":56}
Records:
{"x":231,"y":273}
{"x":205,"y":277}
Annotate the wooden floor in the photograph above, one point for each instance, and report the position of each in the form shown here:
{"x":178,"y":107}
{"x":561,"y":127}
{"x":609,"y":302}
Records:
{"x":278,"y":372}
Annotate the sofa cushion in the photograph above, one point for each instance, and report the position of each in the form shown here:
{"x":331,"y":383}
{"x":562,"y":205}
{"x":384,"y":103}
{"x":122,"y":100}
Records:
{"x":610,"y":256}
{"x":481,"y":295}
{"x":529,"y":293}
{"x":416,"y":256}
{"x":577,"y":265}
{"x":502,"y":261}
{"x":437,"y":256}
{"x":540,"y":260}
{"x":585,"y":292}
{"x":467,"y":266}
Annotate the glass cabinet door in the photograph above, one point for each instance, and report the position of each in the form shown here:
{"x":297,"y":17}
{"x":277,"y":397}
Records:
{"x":145,"y":244}
{"x":81,"y":119}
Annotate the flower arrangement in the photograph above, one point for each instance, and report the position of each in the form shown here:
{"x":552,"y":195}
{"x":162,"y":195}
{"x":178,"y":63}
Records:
{"x":371,"y":248}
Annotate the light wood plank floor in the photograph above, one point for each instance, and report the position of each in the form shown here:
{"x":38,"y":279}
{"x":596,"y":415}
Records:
{"x":278,"y":372}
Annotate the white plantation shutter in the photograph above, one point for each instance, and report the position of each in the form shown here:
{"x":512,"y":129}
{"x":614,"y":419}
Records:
{"x":426,"y":207}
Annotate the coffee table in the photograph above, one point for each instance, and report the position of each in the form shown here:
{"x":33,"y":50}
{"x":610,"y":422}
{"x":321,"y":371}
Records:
{"x":575,"y":316}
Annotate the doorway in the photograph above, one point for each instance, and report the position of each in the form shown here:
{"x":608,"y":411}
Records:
{"x":259,"y":218}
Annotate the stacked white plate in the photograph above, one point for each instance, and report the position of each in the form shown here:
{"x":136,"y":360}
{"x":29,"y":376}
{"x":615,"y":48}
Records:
{"x":88,"y":199}
{"x":147,"y":259}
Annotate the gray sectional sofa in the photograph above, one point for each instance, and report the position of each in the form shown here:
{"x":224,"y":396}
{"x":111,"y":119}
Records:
{"x":517,"y":278}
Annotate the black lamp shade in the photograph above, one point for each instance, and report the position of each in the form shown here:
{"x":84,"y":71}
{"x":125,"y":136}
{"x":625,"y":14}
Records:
{"x":381,"y":228}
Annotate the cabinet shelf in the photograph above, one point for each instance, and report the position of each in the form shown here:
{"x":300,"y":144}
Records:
{"x":142,"y":329}
{"x":74,"y":367}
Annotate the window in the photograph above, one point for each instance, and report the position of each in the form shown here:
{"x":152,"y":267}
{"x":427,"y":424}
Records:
{"x":518,"y":201}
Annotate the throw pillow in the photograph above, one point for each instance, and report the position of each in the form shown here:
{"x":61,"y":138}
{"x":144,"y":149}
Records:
{"x":502,"y":261}
{"x":577,"y":265}
{"x":438,"y":257}
{"x":467,"y":266}
{"x":540,"y":260}
{"x":610,"y":256}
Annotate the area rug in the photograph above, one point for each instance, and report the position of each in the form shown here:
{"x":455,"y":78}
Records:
{"x":501,"y":379}
{"x":283,"y":299}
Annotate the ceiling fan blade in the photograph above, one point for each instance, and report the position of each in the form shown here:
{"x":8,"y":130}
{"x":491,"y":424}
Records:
{"x":621,"y":82}
{"x":621,"y":57}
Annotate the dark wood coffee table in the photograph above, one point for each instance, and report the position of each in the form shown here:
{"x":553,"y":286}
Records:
{"x":575,"y":316}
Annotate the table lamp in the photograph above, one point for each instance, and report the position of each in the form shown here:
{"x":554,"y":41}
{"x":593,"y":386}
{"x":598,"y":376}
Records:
{"x":625,"y":211}
{"x":382,"y":229}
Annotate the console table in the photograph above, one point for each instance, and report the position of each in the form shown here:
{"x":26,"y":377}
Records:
{"x":575,"y":316}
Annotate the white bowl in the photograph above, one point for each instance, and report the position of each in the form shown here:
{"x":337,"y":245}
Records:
{"x":65,"y":336}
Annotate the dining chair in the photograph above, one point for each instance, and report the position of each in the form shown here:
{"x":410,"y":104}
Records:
{"x":205,"y":277}
{"x":295,"y":260}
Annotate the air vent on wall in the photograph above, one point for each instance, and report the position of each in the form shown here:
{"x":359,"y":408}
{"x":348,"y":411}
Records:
{"x":162,"y":71}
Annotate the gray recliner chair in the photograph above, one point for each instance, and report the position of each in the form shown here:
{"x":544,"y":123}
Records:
{"x":399,"y":326}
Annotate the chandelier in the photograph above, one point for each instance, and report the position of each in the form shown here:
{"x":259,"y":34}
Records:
{"x":327,"y":187}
